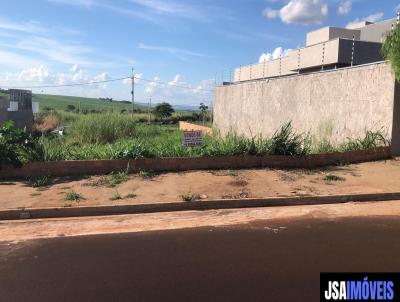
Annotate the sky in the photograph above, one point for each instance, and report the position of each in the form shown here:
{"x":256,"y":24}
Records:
{"x":188,"y":43}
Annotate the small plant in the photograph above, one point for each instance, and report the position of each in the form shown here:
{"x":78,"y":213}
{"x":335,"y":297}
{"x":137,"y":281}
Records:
{"x":147,"y":174}
{"x":232,"y":173}
{"x":117,"y":178}
{"x":131,"y":196}
{"x":35,"y":194}
{"x":116,"y":196}
{"x":73,"y":196}
{"x":331,"y":178}
{"x":190,"y":197}
{"x":39,"y":182}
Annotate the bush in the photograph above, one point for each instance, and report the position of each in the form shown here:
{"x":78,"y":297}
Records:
{"x":14,"y":144}
{"x":286,"y":142}
{"x":391,"y":50}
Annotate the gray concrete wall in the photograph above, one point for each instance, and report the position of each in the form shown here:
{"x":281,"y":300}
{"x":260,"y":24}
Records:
{"x":332,"y":105}
{"x":376,"y":32}
{"x":21,"y":118}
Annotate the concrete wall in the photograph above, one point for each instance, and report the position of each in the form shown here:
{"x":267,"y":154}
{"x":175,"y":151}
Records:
{"x":376,"y":32}
{"x":332,"y":105}
{"x":329,"y":33}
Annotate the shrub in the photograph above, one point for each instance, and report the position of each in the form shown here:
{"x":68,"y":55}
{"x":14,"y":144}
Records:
{"x":286,"y":142}
{"x":391,"y":50}
{"x":46,"y":123}
{"x":14,"y":143}
{"x":73,"y":196}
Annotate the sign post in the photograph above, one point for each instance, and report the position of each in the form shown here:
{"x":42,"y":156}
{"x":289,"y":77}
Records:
{"x":192,"y":138}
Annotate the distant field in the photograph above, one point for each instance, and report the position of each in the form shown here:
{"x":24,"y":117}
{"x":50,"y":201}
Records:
{"x":59,"y":102}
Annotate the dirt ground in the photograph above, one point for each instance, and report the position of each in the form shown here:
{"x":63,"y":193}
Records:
{"x":375,"y":177}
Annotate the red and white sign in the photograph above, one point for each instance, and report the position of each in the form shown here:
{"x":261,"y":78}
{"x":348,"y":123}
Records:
{"x":192,"y":138}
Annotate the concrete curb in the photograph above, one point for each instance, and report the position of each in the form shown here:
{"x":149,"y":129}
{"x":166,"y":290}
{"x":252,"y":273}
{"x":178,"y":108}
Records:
{"x":191,"y":206}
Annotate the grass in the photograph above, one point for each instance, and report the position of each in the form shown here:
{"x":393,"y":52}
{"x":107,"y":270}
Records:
{"x":58,"y":102}
{"x":147,"y":174}
{"x":333,"y":178}
{"x":116,"y":196}
{"x":117,"y":178}
{"x":190,"y":197}
{"x":73,"y":196}
{"x":102,"y":128}
{"x":112,"y":180}
{"x":39,"y":182}
{"x":105,"y":136}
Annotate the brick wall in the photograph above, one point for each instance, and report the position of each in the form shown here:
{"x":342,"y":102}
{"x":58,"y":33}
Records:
{"x":76,"y":168}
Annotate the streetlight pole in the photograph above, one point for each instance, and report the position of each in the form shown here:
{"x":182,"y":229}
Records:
{"x":149,"y":110}
{"x":133,"y":92}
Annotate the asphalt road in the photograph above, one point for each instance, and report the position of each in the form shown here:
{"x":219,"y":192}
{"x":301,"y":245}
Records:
{"x":261,"y":261}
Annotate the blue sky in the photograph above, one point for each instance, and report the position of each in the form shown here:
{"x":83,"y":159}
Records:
{"x":189,"y":43}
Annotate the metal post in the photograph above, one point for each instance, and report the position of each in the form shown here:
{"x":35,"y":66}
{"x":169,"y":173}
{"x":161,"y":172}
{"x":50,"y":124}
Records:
{"x":240,"y":72}
{"x":298,"y":60}
{"x":352,"y":50}
{"x":251,"y":66}
{"x":149,"y":110}
{"x":133,"y":90}
{"x":264,"y":69}
{"x":230,"y":75}
{"x":280,"y":65}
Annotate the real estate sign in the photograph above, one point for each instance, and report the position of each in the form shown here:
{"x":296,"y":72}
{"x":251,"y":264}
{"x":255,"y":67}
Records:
{"x":192,"y":138}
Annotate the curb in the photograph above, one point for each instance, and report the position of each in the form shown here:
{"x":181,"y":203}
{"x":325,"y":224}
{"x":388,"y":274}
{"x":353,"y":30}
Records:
{"x":191,"y":206}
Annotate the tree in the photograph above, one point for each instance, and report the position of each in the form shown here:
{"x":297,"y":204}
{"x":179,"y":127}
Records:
{"x":391,"y":50}
{"x":70,"y":108}
{"x":163,"y":110}
{"x":203,"y":108}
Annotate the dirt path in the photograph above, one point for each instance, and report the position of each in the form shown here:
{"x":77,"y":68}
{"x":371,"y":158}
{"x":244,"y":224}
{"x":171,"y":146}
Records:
{"x":373,"y":177}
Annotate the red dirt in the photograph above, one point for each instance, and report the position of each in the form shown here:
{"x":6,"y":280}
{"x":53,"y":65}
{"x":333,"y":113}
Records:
{"x":373,"y":177}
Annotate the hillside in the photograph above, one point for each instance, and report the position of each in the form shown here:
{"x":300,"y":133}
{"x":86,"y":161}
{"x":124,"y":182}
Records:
{"x":60,"y":102}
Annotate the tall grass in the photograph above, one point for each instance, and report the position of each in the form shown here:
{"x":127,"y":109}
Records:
{"x":102,"y":128}
{"x":117,"y":136}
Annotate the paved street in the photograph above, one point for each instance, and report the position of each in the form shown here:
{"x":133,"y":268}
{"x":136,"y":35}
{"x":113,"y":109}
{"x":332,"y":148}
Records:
{"x":257,"y":261}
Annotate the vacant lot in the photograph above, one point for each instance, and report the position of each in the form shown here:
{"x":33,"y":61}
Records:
{"x":146,"y":187}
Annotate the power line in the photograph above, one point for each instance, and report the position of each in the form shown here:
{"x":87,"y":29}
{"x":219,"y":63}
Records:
{"x":108,"y":81}
{"x":68,"y":85}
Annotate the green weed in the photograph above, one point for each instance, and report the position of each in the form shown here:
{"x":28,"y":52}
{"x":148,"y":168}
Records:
{"x":73,"y":196}
{"x":331,"y":178}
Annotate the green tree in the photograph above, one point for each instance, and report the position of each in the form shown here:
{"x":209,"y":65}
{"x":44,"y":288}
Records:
{"x":163,"y":110}
{"x":391,"y":50}
{"x":70,"y":108}
{"x":203,"y":108}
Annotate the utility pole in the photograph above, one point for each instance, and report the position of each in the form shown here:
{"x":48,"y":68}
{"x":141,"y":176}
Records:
{"x":133,"y":92}
{"x":149,"y":108}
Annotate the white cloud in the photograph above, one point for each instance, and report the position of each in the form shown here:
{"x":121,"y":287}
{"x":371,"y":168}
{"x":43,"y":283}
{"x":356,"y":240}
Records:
{"x":276,"y":54}
{"x":371,"y":18}
{"x":344,"y":7}
{"x":180,"y":53}
{"x":302,"y":12}
{"x":84,"y":3}
{"x":26,"y":27}
{"x":271,"y":13}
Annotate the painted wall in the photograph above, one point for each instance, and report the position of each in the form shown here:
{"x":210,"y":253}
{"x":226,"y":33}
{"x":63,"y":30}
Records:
{"x":332,"y":105}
